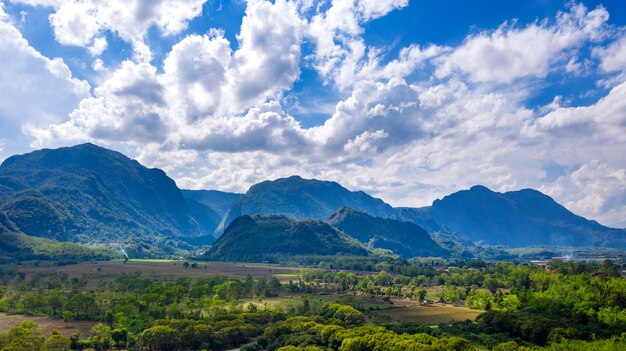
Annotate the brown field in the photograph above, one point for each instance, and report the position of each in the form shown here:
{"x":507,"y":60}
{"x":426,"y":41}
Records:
{"x":46,"y":324}
{"x":429,"y":314}
{"x":169,"y":269}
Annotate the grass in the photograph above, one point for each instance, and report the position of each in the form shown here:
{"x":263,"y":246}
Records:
{"x":169,"y":269}
{"x":429,"y":314}
{"x":151,"y":260}
{"x":46,"y":324}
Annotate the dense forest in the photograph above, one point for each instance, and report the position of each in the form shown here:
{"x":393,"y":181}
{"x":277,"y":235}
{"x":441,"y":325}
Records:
{"x":563,"y":306}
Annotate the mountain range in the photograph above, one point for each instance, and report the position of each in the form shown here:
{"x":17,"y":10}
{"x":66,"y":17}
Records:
{"x":91,"y":195}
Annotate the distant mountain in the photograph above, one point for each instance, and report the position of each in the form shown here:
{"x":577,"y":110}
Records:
{"x":268,"y":238}
{"x":88,"y":194}
{"x":420,"y":216}
{"x":403,"y":238}
{"x":219,"y":201}
{"x":520,"y":218}
{"x":303,"y":198}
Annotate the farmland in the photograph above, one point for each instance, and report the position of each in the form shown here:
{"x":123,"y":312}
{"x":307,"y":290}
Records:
{"x":168,"y":269}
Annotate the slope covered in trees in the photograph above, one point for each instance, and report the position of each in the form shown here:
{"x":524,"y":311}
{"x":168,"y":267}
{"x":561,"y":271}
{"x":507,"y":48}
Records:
{"x":403,"y":238}
{"x":270,"y":237}
{"x":88,"y":194}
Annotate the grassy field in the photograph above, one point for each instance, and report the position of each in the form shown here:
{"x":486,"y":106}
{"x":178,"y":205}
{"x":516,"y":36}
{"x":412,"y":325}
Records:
{"x":171,"y":269}
{"x":46,"y":325}
{"x":428,"y":314}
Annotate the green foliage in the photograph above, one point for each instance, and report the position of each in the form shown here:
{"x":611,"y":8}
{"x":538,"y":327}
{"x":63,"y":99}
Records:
{"x":265,"y":238}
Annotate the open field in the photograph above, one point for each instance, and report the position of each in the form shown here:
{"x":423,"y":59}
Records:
{"x":429,"y":314}
{"x":170,"y":269}
{"x":46,"y":325}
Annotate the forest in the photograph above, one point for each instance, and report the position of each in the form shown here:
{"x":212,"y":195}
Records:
{"x":560,"y":306}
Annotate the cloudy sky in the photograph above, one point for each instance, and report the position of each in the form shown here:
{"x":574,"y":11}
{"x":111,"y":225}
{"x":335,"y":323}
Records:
{"x":407,"y":100}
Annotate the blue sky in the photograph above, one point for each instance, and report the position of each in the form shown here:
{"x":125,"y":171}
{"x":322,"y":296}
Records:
{"x":408,"y":100}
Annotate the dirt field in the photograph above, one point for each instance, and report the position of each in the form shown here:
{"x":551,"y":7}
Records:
{"x":429,"y":314}
{"x":172,"y":269}
{"x":46,"y":325}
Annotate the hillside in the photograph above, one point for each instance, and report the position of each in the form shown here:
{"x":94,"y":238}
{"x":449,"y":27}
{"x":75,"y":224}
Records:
{"x":520,"y":218}
{"x":302,"y":198}
{"x":270,"y":237}
{"x":15,"y":247}
{"x":403,"y":238}
{"x":88,"y":194}
{"x":219,"y":201}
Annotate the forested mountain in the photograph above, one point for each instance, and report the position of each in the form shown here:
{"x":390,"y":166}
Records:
{"x":266,"y":238}
{"x":403,"y":238}
{"x":303,"y":198}
{"x":219,"y":201}
{"x":520,"y":218}
{"x":88,"y":194}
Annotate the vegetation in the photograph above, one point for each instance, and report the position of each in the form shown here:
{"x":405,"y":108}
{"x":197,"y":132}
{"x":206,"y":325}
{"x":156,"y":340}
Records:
{"x":91,"y":195}
{"x":403,"y":238}
{"x":565,"y":306}
{"x":16,"y":247}
{"x":267,"y":238}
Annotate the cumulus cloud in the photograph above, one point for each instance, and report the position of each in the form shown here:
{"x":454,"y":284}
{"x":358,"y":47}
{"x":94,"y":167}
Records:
{"x":410,"y":128}
{"x":613,"y":57}
{"x":595,"y":189}
{"x":339,"y":49}
{"x":504,"y":55}
{"x":82,"y":22}
{"x":35,"y":90}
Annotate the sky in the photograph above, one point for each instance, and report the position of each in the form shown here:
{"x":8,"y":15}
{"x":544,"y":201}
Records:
{"x":406,"y":100}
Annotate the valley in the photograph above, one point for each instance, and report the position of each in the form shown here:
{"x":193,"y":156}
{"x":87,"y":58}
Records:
{"x":94,"y":242}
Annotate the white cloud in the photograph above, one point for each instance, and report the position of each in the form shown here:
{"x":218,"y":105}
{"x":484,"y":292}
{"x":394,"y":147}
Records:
{"x":613,"y":57}
{"x":339,"y":49}
{"x":595,"y":189}
{"x":510,"y":53}
{"x":605,"y":119}
{"x":81,"y":22}
{"x":34,"y":90}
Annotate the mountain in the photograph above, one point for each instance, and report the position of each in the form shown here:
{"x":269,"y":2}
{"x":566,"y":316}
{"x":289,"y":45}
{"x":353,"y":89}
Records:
{"x":259,"y":238}
{"x":88,"y":194}
{"x":520,"y":218}
{"x":15,"y":247}
{"x":403,"y":238}
{"x":302,"y":198}
{"x":219,"y":201}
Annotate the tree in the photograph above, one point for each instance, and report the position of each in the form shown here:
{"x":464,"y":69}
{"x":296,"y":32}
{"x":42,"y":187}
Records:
{"x":120,"y":337}
{"x":420,"y":294}
{"x":159,"y":338}
{"x":57,"y":342}
{"x":101,"y":338}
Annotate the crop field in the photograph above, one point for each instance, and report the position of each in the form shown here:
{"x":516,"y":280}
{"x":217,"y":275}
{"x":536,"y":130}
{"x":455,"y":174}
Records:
{"x":46,"y":325}
{"x":429,"y":314}
{"x":169,"y":269}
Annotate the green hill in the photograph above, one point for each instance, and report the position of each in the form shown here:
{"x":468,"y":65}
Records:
{"x":267,"y":238}
{"x":403,"y":238}
{"x":88,"y":194}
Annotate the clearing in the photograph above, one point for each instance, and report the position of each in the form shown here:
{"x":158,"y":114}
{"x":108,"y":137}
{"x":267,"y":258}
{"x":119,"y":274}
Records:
{"x":170,"y":269}
{"x":429,"y":314}
{"x":46,"y":324}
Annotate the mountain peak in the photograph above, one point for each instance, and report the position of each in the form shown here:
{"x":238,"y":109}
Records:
{"x":301,"y":198}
